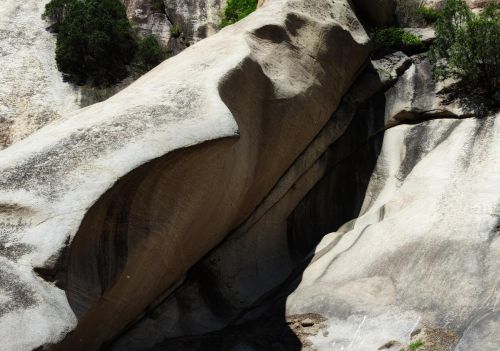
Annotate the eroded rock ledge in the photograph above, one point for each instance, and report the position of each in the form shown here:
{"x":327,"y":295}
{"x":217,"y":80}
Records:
{"x":143,"y":185}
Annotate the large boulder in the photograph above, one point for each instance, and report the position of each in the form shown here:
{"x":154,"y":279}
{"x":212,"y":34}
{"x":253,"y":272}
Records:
{"x":102,"y":211}
{"x":224,"y":285}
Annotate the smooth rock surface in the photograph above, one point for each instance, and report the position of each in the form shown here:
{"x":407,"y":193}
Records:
{"x":417,"y":96}
{"x":32,"y":92}
{"x":425,"y":248}
{"x":115,"y":203}
{"x":287,"y":225}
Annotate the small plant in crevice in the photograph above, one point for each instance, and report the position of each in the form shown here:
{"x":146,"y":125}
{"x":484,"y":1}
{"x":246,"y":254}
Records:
{"x":415,"y":345}
{"x":175,"y":31}
{"x":236,"y":10}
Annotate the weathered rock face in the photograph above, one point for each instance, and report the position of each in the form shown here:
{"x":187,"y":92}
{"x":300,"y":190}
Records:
{"x":148,"y":19}
{"x":425,"y":249}
{"x":420,"y":261}
{"x":178,"y":23}
{"x":416,"y":96}
{"x":141,"y":186}
{"x":226,"y":284}
{"x":382,"y":279}
{"x":357,"y":202}
{"x":197,"y":19}
{"x":32,"y":92}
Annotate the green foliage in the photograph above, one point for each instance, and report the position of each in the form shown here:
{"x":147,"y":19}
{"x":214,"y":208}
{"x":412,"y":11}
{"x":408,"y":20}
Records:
{"x":149,"y":54}
{"x":175,"y":30}
{"x":237,"y":10}
{"x":429,"y":15}
{"x":415,"y":345}
{"x":395,"y":38}
{"x":467,"y":45}
{"x":55,"y":10}
{"x":95,"y":42}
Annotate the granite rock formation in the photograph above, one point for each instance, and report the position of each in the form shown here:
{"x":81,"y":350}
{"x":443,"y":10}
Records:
{"x":273,"y":187}
{"x":103,"y":211}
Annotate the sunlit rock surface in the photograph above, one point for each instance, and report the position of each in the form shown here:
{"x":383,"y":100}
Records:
{"x":425,"y":248}
{"x":102,"y":211}
{"x":32,"y":92}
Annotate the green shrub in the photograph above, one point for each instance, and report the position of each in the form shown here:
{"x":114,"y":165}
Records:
{"x":149,"y":54}
{"x":237,"y":10}
{"x":95,"y":42}
{"x":55,"y":10}
{"x":467,"y":45}
{"x":395,"y":38}
{"x":175,"y":31}
{"x":429,"y":15}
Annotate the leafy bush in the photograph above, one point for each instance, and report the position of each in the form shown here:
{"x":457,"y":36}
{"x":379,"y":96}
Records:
{"x":395,"y":38}
{"x":149,"y":54}
{"x":428,"y":14}
{"x":95,"y":42}
{"x":467,"y":45}
{"x":55,"y":10}
{"x":237,"y":10}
